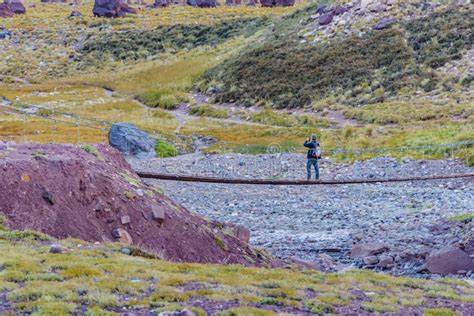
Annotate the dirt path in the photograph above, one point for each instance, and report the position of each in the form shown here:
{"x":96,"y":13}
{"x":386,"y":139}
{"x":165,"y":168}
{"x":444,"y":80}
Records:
{"x":337,"y":118}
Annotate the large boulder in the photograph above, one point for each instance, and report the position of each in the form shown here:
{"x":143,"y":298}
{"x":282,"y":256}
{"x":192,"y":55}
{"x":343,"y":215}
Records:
{"x":370,"y":249}
{"x":449,"y":260}
{"x":5,"y":11}
{"x":111,"y":8}
{"x":202,"y":3}
{"x":16,"y":6}
{"x":131,"y":141}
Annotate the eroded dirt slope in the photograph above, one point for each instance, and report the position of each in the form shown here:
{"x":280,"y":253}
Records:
{"x":91,"y":193}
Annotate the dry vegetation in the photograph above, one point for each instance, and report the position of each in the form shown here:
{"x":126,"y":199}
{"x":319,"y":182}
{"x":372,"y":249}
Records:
{"x":98,"y":278}
{"x":163,"y":80}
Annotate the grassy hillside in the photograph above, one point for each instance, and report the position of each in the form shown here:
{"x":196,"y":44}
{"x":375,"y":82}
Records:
{"x":104,"y":279}
{"x":253,"y":56}
{"x":362,"y":68}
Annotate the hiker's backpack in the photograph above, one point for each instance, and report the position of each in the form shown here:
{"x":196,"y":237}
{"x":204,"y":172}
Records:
{"x":316,"y":152}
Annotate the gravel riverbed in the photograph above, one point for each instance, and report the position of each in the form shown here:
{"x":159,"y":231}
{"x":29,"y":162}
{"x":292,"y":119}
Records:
{"x":321,"y":223}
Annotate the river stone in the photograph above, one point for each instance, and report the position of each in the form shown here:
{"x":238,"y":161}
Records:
{"x":365,"y":250}
{"x":449,"y":260}
{"x":371,"y":260}
{"x":385,"y":261}
{"x":131,"y":141}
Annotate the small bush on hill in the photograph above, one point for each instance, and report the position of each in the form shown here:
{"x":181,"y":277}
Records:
{"x":270,"y":117}
{"x":209,"y":111}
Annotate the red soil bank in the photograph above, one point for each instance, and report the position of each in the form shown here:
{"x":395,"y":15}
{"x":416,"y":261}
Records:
{"x":92,"y":194}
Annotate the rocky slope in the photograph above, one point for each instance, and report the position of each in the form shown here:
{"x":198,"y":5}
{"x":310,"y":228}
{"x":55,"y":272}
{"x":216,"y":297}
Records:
{"x":90,"y":193}
{"x":321,"y":224}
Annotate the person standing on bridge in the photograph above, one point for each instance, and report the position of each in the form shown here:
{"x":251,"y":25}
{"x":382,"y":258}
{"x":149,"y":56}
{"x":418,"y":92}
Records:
{"x":314,"y":153}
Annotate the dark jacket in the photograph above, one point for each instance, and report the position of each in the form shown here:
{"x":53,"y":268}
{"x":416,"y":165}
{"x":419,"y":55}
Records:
{"x":312,"y":145}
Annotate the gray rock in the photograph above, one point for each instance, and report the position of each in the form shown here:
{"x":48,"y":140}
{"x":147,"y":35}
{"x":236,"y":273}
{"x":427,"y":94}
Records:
{"x":365,"y":250}
{"x":184,"y":312}
{"x":384,"y":23}
{"x":126,"y":251}
{"x":321,"y":9}
{"x":338,"y":10}
{"x":449,"y":260}
{"x":131,"y":141}
{"x":371,"y":260}
{"x":111,"y":8}
{"x":16,"y":6}
{"x":56,"y":249}
{"x":202,"y":3}
{"x":385,"y":261}
{"x":75,"y":14}
{"x":125,"y":220}
{"x":161,"y":3}
{"x":377,"y":7}
{"x":158,"y":213}
{"x":326,"y":18}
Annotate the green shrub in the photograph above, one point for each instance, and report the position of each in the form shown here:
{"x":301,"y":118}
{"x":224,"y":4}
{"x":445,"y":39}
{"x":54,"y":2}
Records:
{"x":164,"y":149}
{"x":161,"y":98}
{"x":270,"y":117}
{"x":462,"y":217}
{"x":208,"y":111}
{"x":438,"y":312}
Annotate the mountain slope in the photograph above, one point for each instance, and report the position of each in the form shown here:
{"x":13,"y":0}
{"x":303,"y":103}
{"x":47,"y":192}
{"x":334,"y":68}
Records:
{"x":355,"y":59}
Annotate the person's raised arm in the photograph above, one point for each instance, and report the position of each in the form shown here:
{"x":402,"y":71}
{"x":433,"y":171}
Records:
{"x":307,"y":143}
